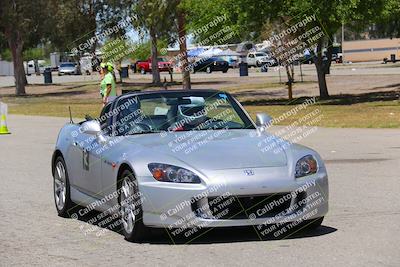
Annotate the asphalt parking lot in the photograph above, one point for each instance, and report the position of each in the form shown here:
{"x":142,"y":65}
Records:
{"x":367,"y":69}
{"x":361,"y":228}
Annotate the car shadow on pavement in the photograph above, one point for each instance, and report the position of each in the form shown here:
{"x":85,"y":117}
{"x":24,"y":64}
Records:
{"x":209,"y":235}
{"x":233,"y":235}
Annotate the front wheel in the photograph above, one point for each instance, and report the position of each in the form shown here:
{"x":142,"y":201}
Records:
{"x":131,"y":209}
{"x":62,"y":194}
{"x":143,"y":71}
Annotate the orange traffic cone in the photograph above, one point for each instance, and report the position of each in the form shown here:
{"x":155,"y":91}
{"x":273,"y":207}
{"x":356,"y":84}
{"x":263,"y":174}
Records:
{"x":3,"y":119}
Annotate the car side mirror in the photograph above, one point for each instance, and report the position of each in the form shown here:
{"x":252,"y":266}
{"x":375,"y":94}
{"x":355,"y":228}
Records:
{"x":91,"y":127}
{"x":263,"y":119}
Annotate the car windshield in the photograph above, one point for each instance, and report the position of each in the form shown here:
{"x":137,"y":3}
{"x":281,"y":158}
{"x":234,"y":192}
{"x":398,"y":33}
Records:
{"x":261,"y":55}
{"x":216,"y":59}
{"x":67,"y":65}
{"x":179,"y":111}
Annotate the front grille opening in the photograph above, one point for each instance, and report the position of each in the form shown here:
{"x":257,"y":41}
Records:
{"x":264,"y":206}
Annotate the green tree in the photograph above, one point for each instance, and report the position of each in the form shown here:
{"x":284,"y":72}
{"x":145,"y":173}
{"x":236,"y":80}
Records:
{"x":142,"y":50}
{"x":63,"y":28}
{"x":248,"y":19}
{"x":388,"y":24}
{"x":331,"y":15}
{"x":155,"y":17}
{"x":26,"y":24}
{"x":21,"y":24}
{"x":244,"y":17}
{"x":181,"y":17}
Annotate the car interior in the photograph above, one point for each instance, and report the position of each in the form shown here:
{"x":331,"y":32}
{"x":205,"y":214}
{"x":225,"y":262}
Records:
{"x":157,"y":114}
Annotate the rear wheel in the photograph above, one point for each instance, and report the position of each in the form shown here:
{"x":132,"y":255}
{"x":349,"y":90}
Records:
{"x":62,"y":194}
{"x":131,"y":209}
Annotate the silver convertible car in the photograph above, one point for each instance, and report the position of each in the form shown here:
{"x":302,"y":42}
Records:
{"x":185,"y":160}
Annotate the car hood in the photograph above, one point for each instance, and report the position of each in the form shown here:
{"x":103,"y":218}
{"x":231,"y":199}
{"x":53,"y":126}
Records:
{"x":215,"y":149}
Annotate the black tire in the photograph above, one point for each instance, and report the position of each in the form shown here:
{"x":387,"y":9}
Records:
{"x":208,"y":69}
{"x":66,"y":211}
{"x":225,"y":71}
{"x":140,"y":231}
{"x":313,"y":224}
{"x":258,"y":64}
{"x":143,"y":71}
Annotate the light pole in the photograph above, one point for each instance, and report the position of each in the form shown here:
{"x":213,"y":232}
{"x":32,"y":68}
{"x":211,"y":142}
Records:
{"x":343,"y":43}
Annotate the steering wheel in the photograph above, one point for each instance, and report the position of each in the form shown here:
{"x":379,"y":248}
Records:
{"x":140,"y":127}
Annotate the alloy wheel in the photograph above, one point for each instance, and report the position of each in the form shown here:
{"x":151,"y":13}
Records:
{"x":128,"y":208}
{"x":60,"y":185}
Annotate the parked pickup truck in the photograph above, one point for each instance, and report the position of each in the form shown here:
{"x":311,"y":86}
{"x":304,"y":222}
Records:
{"x":145,"y":66}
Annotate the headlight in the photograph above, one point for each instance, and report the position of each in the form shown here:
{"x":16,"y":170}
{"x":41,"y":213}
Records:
{"x":306,"y":166}
{"x":173,"y":174}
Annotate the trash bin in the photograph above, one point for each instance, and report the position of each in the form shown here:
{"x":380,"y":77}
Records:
{"x":264,"y":68}
{"x":124,"y":72}
{"x":47,"y":76}
{"x":393,"y":58}
{"x":244,"y":69}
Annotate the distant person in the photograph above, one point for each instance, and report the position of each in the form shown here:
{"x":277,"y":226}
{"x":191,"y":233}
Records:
{"x":101,"y":72}
{"x":102,"y":66}
{"x":107,"y":85}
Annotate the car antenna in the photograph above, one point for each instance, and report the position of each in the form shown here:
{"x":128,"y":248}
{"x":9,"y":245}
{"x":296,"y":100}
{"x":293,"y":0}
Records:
{"x":70,"y":115}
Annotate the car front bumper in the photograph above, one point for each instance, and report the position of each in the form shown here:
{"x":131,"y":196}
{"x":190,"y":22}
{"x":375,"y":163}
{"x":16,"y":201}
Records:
{"x":66,"y":72}
{"x":174,"y":206}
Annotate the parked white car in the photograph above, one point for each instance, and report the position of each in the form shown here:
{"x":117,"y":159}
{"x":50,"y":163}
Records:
{"x":30,"y":67}
{"x":258,"y":59}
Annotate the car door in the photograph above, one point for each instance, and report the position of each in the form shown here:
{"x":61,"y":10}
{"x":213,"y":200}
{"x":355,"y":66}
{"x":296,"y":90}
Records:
{"x":91,"y":166}
{"x":93,"y":155}
{"x":74,"y":160}
{"x":90,"y":161}
{"x":204,"y":64}
{"x":115,"y":147}
{"x":251,"y":60}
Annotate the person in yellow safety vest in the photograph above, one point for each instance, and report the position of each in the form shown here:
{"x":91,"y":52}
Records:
{"x":107,"y":85}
